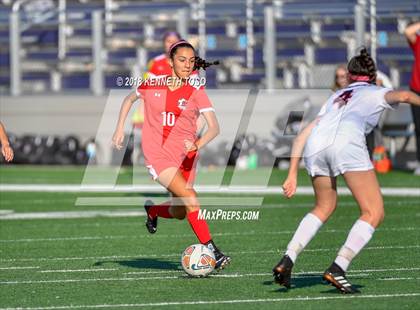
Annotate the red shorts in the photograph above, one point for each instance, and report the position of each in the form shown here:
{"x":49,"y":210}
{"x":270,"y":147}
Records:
{"x":187,"y":166}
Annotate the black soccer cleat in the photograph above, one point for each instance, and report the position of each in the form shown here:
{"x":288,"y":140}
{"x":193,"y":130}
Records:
{"x":222,"y":260}
{"x":282,"y":272}
{"x":151,"y":223}
{"x":335,"y":276}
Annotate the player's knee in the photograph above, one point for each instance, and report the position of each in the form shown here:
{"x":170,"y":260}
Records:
{"x":380,"y":216}
{"x":178,"y":213}
{"x":323,"y":212}
{"x":190,"y":194}
{"x":180,"y":216}
{"x":374,"y":216}
{"x":190,"y":199}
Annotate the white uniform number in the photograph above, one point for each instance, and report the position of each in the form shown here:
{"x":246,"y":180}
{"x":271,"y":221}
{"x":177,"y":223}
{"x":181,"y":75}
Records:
{"x":168,"y":119}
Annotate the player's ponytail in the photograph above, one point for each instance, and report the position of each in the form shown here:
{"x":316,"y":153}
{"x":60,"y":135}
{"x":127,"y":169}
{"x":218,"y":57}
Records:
{"x":362,"y":67}
{"x":203,"y":64}
{"x":199,"y":62}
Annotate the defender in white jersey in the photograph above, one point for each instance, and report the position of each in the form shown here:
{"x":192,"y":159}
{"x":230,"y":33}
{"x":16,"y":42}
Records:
{"x":337,"y":143}
{"x":334,"y":144}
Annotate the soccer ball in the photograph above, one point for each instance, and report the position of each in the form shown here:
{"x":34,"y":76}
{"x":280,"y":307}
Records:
{"x":198,"y":260}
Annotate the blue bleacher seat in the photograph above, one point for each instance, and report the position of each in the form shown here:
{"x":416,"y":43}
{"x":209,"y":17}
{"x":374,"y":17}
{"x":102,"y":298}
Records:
{"x":5,"y":81}
{"x":153,"y":54}
{"x":337,"y":27}
{"x":290,"y":52}
{"x":36,"y":76}
{"x":4,"y":59}
{"x":193,"y":30}
{"x":82,"y":32}
{"x":211,"y":78}
{"x":111,"y":80}
{"x":42,"y":55}
{"x":79,"y":53}
{"x":405,"y":78}
{"x":394,"y":51}
{"x":138,"y":31}
{"x":76,"y":81}
{"x":293,"y":28}
{"x":216,"y":30}
{"x":121,"y":54}
{"x":389,"y":27}
{"x":220,"y":54}
{"x":330,"y":55}
{"x":4,"y":37}
{"x":43,"y":36}
{"x":254,"y":78}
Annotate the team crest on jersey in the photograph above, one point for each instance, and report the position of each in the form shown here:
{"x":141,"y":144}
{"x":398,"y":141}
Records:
{"x":343,"y":99}
{"x":182,"y":103}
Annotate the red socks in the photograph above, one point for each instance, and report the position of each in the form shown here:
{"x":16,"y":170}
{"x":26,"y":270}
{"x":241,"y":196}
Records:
{"x":199,"y":226}
{"x":161,"y":210}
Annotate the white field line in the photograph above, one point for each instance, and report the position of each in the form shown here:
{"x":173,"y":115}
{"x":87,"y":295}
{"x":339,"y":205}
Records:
{"x":397,"y":279}
{"x":249,"y":233}
{"x":71,"y":214}
{"x":236,"y":275}
{"x":115,"y":257}
{"x":77,"y":270}
{"x":65,"y":239}
{"x":19,"y":267}
{"x":97,"y":224}
{"x":172,"y":277}
{"x":10,"y":215}
{"x":221,"y":302}
{"x":353,"y":273}
{"x":243,"y":201}
{"x":214,"y":189}
{"x":139,"y":201}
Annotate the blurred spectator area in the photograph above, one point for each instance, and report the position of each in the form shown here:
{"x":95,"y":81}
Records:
{"x":312,"y":37}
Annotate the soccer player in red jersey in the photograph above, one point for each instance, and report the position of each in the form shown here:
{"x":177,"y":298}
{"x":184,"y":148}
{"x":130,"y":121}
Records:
{"x":160,"y":64}
{"x":172,"y":105}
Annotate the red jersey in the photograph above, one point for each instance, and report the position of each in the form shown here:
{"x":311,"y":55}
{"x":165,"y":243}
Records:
{"x":160,"y":66}
{"x":170,"y":118}
{"x":415,"y":74}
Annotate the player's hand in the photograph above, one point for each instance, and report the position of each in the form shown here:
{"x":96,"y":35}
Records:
{"x":289,"y":186}
{"x":7,"y":152}
{"x":118,"y":139}
{"x":190,"y":146}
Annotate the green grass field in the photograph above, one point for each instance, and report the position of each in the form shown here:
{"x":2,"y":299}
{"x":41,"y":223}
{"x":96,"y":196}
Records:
{"x":113,"y":263}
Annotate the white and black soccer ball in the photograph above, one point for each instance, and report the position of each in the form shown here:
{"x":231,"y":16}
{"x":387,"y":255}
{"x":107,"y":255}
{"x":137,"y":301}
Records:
{"x":198,"y":260}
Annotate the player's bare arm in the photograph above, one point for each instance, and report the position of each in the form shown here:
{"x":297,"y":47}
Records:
{"x":290,"y":184}
{"x":406,"y":96}
{"x":6,"y":150}
{"x":411,"y":32}
{"x":211,"y":132}
{"x":118,"y":137}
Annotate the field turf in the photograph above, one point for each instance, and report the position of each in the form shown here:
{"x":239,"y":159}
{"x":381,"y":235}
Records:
{"x":113,"y":263}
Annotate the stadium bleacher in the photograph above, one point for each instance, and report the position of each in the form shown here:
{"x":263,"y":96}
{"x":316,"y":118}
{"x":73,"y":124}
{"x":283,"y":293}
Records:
{"x":133,"y":24}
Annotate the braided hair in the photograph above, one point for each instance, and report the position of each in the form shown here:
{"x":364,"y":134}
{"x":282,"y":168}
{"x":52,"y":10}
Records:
{"x":199,"y":62}
{"x":362,"y":67}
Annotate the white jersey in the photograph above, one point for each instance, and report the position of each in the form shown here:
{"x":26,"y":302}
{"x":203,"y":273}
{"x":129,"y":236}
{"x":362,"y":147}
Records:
{"x":347,"y":117}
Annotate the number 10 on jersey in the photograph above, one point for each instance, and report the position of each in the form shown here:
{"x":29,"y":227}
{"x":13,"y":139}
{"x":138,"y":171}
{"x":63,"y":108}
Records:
{"x":168,"y":119}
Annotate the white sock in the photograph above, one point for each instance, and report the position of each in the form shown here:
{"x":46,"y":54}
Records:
{"x":307,"y":229}
{"x":358,"y":237}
